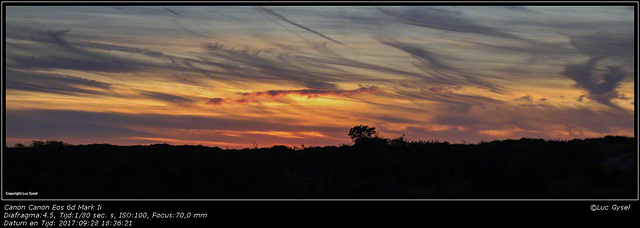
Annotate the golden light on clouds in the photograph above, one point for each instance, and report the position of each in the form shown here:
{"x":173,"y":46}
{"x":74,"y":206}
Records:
{"x":228,"y":76}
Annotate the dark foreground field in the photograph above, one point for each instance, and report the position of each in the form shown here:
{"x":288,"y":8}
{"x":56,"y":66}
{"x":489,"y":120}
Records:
{"x":603,"y":168}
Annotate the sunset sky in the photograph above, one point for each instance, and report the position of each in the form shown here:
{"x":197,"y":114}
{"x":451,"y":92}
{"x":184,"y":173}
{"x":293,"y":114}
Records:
{"x":242,"y":76}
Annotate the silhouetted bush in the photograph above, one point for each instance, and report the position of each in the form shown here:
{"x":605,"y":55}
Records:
{"x":372,"y":168}
{"x":48,"y":143}
{"x":362,"y":132}
{"x":19,"y":145}
{"x":36,"y":143}
{"x":399,"y":141}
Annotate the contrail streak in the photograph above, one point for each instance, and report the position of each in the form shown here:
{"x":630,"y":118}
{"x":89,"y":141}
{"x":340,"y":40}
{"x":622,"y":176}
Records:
{"x":274,"y":21}
{"x":173,"y":12}
{"x":298,"y":25}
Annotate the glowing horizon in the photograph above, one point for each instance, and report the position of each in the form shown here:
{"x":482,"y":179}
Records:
{"x":243,"y":76}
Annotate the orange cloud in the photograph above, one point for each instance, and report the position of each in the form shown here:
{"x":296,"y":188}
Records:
{"x":215,"y":101}
{"x":309,"y":93}
{"x":184,"y":141}
{"x":221,"y":101}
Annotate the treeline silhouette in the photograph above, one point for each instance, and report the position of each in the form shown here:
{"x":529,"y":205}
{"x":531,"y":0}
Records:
{"x":372,"y":168}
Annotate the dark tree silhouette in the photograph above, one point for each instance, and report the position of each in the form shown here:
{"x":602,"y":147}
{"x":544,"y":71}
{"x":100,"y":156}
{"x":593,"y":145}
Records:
{"x":360,"y":132}
{"x":19,"y":145}
{"x":375,"y":167}
{"x":37,"y":143}
{"x":399,"y":141}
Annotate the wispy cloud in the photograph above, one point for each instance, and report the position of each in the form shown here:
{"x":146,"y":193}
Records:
{"x":436,"y":69}
{"x":521,"y":9}
{"x":443,"y":19}
{"x":601,"y":87}
{"x":429,"y":72}
{"x":56,"y":62}
{"x":448,"y":97}
{"x":429,"y":58}
{"x":271,"y":12}
{"x":178,"y":22}
{"x":54,"y":83}
{"x":171,"y":11}
{"x":257,"y":65}
{"x":320,"y":85}
{"x":110,"y":47}
{"x":66,"y":54}
{"x":271,"y":94}
{"x":220,"y":101}
{"x":215,"y":101}
{"x":611,"y":44}
{"x":527,"y":98}
{"x":166,"y":97}
{"x":310,"y":93}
